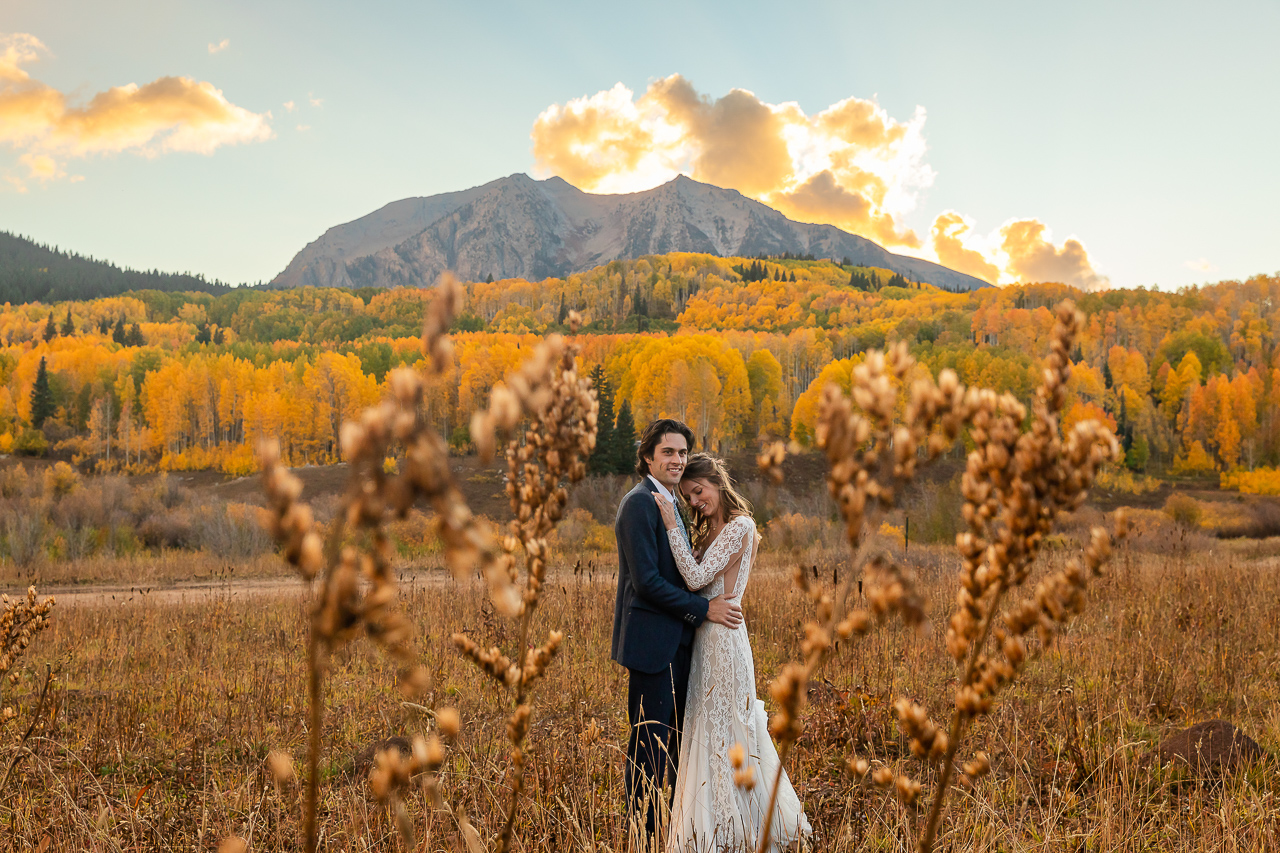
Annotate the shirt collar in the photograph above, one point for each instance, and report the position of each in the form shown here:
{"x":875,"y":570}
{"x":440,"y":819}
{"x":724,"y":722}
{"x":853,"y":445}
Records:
{"x":665,"y":492}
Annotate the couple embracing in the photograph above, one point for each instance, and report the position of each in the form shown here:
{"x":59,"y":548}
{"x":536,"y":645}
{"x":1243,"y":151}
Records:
{"x":678,"y":629}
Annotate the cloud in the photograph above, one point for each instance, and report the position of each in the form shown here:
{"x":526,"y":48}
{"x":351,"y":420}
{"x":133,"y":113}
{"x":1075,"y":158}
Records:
{"x":42,"y":167}
{"x":290,"y":106}
{"x":1200,"y":265}
{"x":1032,"y":256}
{"x":950,"y":231}
{"x":219,"y":47}
{"x":315,"y":102}
{"x":165,"y":115}
{"x":850,"y":165}
{"x":304,"y":127}
{"x":1020,"y":250}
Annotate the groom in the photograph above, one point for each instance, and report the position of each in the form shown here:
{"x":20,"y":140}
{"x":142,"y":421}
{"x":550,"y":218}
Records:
{"x":655,"y":617}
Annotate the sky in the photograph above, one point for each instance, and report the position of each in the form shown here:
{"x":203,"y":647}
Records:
{"x":1102,"y":144}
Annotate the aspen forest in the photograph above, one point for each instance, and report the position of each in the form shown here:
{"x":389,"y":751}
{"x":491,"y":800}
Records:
{"x":738,"y":348}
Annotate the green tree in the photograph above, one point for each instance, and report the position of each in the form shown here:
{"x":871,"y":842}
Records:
{"x":1139,"y":453}
{"x":624,"y":441}
{"x":134,"y":337}
{"x":603,"y":459}
{"x":41,"y":397}
{"x":68,"y":325}
{"x":50,"y":330}
{"x":118,"y":333}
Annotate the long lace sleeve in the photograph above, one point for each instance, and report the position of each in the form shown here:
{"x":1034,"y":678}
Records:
{"x":722,"y":551}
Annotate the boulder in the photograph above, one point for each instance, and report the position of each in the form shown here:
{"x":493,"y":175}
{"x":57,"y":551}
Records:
{"x":1212,"y":747}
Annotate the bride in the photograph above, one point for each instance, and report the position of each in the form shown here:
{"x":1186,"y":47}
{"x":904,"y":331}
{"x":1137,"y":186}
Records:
{"x":710,"y":812}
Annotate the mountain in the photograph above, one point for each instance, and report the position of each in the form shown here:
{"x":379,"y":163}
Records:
{"x":33,"y":272}
{"x":516,"y":227}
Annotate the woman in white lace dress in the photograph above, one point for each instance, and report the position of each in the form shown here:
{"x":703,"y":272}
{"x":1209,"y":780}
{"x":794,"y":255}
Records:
{"x":710,"y":813}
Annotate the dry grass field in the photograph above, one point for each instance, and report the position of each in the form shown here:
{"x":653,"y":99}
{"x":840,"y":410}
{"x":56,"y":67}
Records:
{"x":174,"y":719}
{"x":161,"y":717}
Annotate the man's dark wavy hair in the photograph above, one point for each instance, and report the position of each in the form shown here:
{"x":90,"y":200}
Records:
{"x":653,"y":434}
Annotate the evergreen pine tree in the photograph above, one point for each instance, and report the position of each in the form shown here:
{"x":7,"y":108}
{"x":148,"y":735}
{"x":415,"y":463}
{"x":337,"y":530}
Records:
{"x":624,"y":441}
{"x":68,"y":325}
{"x":50,"y":330}
{"x":118,"y":333}
{"x":489,"y":279}
{"x":563,"y":314}
{"x":41,"y":397}
{"x":104,"y":325}
{"x":134,"y":337}
{"x":603,"y":457}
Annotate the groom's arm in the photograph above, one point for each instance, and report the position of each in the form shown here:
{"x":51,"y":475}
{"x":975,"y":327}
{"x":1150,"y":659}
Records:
{"x":637,"y":536}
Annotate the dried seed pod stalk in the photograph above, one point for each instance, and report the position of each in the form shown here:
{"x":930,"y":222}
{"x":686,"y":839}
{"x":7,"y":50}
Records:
{"x":873,"y":453}
{"x":393,"y":773}
{"x":21,"y":619}
{"x":560,"y":408}
{"x":344,"y":607}
{"x":1014,"y":487}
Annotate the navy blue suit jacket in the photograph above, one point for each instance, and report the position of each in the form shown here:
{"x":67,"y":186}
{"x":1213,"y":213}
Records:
{"x":654,"y":610}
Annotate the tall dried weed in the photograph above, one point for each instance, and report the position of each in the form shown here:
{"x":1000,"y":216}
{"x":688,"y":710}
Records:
{"x":1015,"y":484}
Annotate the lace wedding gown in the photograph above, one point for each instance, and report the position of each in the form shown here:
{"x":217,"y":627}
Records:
{"x":709,"y":812}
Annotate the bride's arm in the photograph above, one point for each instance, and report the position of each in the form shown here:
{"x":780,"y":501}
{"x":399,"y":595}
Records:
{"x":719,"y":554}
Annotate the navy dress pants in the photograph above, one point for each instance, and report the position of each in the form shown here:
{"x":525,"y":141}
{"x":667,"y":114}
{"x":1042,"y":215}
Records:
{"x":655,"y":708}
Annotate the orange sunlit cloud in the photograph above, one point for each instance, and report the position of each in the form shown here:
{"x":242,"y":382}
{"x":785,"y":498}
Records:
{"x":168,"y":114}
{"x":850,"y":165}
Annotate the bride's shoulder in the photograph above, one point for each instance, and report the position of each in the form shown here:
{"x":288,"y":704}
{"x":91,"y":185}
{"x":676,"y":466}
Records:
{"x":743,"y":521}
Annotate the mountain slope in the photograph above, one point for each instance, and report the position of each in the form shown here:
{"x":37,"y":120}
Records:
{"x":32,"y":272}
{"x":519,"y":227}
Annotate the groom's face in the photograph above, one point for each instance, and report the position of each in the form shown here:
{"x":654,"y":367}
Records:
{"x":668,"y":460}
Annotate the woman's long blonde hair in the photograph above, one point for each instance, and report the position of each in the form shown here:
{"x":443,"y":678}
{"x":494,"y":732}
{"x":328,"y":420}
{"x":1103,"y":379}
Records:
{"x":703,"y":466}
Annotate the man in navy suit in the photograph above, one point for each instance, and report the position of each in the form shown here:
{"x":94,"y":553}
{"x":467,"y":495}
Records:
{"x":655,"y":617}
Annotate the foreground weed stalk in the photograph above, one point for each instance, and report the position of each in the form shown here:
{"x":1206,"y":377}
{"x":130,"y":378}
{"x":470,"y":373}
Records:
{"x":561,"y":409}
{"x":21,"y":621}
{"x":1015,"y":486}
{"x":342,"y":607}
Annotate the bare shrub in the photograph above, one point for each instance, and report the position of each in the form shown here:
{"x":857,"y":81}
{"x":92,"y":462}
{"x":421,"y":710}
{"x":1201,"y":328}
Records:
{"x":792,"y":531}
{"x":24,"y":532}
{"x":229,"y":531}
{"x":174,"y":528}
{"x":599,"y":496}
{"x":1184,"y":510}
{"x":579,"y":531}
{"x":934,"y":513}
{"x":168,"y":491}
{"x":15,"y":482}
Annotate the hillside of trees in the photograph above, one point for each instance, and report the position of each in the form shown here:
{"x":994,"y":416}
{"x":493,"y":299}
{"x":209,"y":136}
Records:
{"x":33,"y":272}
{"x":737,"y":347}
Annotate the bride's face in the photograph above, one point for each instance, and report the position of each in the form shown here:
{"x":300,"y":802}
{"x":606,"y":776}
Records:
{"x":702,"y":496}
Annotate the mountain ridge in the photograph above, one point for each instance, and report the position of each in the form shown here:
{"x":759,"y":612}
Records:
{"x":518,"y":227}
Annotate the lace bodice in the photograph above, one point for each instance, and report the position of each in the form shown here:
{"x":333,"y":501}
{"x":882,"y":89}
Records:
{"x":736,"y":539}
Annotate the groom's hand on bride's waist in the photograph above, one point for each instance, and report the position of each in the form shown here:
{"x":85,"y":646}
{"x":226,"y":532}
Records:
{"x":724,"y":612}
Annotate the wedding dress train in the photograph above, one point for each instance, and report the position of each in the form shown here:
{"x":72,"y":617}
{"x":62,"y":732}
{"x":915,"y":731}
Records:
{"x":710,"y":813}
